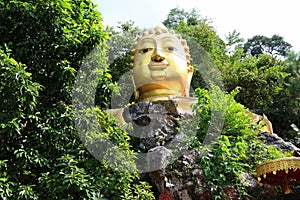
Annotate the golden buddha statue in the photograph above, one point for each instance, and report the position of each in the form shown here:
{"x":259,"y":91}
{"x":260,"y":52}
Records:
{"x":161,"y":67}
{"x":161,"y":70}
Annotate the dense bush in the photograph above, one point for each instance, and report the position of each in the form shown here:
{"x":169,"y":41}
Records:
{"x":42,"y":46}
{"x":236,"y":151}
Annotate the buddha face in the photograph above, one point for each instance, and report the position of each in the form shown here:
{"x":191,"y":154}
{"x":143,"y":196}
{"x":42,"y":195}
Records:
{"x":160,"y":66}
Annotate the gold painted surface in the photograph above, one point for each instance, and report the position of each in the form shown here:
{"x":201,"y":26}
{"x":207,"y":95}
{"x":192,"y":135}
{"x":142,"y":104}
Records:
{"x":161,"y":67}
{"x":263,"y":120}
{"x":285,"y":164}
{"x":161,"y":70}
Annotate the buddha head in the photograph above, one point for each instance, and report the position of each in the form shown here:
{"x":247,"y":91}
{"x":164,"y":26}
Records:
{"x":161,"y":65}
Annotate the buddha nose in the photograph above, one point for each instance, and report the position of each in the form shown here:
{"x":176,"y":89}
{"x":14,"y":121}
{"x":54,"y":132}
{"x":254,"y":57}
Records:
{"x":157,"y":56}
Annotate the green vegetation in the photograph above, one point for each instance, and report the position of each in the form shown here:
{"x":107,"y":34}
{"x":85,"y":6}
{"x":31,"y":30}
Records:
{"x":43,"y":45}
{"x":237,"y":151}
{"x":260,"y":44}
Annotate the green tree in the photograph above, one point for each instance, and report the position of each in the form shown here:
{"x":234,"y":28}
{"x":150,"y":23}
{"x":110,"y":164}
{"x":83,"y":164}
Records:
{"x":288,"y":101}
{"x":260,"y":79}
{"x":42,"y":47}
{"x":178,"y":16}
{"x":199,"y":30}
{"x":122,"y":40}
{"x":260,"y":44}
{"x":268,"y":84}
{"x":19,"y":96}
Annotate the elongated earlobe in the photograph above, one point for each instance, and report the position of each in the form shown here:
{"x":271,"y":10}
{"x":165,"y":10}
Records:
{"x":190,"y":70}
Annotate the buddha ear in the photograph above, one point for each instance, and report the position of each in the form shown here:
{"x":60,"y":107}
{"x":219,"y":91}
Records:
{"x":190,"y":71}
{"x":190,"y":68}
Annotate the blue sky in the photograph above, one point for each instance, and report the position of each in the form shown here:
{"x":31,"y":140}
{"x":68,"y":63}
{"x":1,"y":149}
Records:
{"x":249,"y":17}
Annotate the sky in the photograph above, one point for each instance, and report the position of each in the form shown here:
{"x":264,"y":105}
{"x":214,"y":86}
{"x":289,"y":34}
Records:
{"x":248,"y":17}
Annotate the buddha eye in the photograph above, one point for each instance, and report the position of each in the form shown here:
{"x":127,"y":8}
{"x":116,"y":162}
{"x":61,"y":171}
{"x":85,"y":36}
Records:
{"x":170,"y":49}
{"x":145,"y":50}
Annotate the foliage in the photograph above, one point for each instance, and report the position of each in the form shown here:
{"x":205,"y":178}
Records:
{"x":263,"y":83}
{"x":267,"y":85}
{"x":288,"y":101}
{"x":179,"y":16}
{"x":260,"y":44}
{"x":237,"y":150}
{"x":18,"y":111}
{"x":194,"y":28}
{"x":42,"y":47}
{"x":121,"y":42}
{"x":122,"y":39}
{"x":260,"y":79}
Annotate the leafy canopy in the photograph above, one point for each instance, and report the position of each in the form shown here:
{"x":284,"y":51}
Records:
{"x":42,"y":47}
